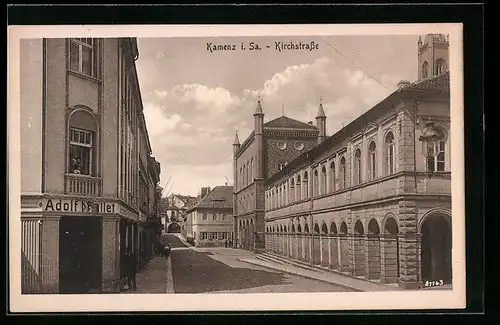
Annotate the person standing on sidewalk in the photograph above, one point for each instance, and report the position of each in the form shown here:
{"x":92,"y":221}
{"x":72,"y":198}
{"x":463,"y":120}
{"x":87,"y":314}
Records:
{"x":132,"y":270}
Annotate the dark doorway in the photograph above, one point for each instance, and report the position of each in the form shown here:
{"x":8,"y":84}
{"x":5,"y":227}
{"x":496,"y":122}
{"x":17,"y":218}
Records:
{"x":174,"y":228}
{"x":436,"y":249}
{"x":80,"y":254}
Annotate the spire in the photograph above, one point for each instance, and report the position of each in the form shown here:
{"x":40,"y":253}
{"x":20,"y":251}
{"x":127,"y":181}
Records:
{"x":282,"y":109}
{"x":236,"y":139}
{"x":258,"y":108}
{"x":321,"y":112}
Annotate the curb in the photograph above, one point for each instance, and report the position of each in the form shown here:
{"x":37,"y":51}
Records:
{"x":169,"y":285}
{"x":299,"y":274}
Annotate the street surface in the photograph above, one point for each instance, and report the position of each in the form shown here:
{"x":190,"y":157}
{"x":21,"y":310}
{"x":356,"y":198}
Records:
{"x":217,"y":270}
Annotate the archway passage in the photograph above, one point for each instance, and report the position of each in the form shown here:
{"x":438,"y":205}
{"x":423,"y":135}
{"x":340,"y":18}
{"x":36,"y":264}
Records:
{"x":390,"y":252}
{"x":317,"y":246}
{"x":174,"y":227}
{"x":373,"y":247}
{"x":344,"y":248}
{"x":436,"y":249}
{"x":357,"y":267}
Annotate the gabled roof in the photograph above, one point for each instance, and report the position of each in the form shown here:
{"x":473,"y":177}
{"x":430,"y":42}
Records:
{"x":286,"y":122}
{"x":218,"y":197}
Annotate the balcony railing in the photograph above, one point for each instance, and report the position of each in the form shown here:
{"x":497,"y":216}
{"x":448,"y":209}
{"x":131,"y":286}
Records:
{"x":82,"y":185}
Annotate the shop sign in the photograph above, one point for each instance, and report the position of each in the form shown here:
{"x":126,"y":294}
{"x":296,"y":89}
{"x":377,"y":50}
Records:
{"x":79,"y":206}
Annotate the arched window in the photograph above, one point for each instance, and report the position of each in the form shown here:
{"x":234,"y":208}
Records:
{"x":332,"y":177}
{"x":247,"y":176}
{"x":251,"y":170}
{"x":306,"y":186}
{"x":323,"y":180}
{"x":389,"y":153}
{"x":292,"y":190}
{"x":357,"y":167}
{"x":425,"y":70}
{"x":299,"y":188}
{"x":343,"y":173}
{"x":316,"y":182}
{"x":241,"y":178}
{"x":82,"y":143}
{"x":440,"y":66}
{"x":372,"y":161}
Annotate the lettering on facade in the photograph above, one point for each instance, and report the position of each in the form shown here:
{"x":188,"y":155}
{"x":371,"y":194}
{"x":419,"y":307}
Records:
{"x":78,"y":206}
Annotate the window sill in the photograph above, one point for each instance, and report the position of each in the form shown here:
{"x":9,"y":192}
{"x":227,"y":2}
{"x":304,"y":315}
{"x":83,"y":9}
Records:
{"x":82,"y":176}
{"x":84,"y":76}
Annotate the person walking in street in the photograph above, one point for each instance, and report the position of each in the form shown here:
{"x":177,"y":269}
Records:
{"x":131,"y":271}
{"x":166,"y":250}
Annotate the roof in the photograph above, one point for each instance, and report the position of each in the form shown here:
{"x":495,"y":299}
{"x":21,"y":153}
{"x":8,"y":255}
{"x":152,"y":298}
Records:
{"x":218,"y":197}
{"x":286,"y":122}
{"x":439,"y":83}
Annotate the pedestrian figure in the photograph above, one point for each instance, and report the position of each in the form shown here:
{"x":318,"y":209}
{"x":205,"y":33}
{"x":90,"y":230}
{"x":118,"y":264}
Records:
{"x":131,"y":271}
{"x":166,"y":250}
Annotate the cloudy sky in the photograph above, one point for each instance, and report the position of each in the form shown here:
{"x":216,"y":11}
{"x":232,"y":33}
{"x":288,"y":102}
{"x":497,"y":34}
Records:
{"x":195,"y":99}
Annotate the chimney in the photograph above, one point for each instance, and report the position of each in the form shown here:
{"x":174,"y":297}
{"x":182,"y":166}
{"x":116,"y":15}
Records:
{"x":310,"y":122}
{"x":225,"y":183}
{"x":204,"y":191}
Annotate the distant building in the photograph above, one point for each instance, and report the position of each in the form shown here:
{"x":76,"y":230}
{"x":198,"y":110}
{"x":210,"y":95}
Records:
{"x":210,"y":221}
{"x":374,"y":199}
{"x":266,"y":151}
{"x":173,"y":211}
{"x":88,"y":179}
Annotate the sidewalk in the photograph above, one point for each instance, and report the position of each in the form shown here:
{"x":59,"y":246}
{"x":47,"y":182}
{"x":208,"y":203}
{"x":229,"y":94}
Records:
{"x":154,"y":277}
{"x":338,"y":279}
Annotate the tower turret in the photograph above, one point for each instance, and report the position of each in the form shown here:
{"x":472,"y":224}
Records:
{"x":433,"y":55}
{"x":321,"y":122}
{"x":259,"y":139}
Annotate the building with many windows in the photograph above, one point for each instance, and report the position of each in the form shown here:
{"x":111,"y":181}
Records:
{"x":210,"y":221}
{"x":267,"y":150}
{"x":374,"y":199}
{"x":88,"y":178}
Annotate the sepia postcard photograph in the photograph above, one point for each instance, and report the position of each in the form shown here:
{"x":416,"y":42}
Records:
{"x":236,"y":167}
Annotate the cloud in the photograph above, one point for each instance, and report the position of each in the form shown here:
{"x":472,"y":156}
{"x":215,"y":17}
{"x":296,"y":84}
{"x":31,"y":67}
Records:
{"x":192,"y":125}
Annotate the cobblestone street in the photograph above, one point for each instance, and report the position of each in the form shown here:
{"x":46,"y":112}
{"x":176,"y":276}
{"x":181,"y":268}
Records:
{"x":218,"y":270}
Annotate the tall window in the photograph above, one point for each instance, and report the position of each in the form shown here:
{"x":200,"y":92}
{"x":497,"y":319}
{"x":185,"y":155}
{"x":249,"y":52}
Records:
{"x":316,"y":183}
{"x":342,"y":173}
{"x":323,"y":180}
{"x":80,"y":151}
{"x":306,"y":185}
{"x":252,"y":171}
{"x":425,"y":69}
{"x":389,"y":153}
{"x":440,"y":66}
{"x":84,"y":56}
{"x":292,"y":190}
{"x":299,"y":188}
{"x":372,"y":160}
{"x":436,"y":156}
{"x":357,"y":166}
{"x":204,"y":217}
{"x":332,"y":177}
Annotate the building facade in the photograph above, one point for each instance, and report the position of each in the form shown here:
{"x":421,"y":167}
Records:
{"x":209,"y":222}
{"x":269,"y":147}
{"x":374,"y":199}
{"x":88,"y":180}
{"x":174,"y":209}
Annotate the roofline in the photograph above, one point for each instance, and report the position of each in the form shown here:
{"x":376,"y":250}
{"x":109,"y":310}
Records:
{"x":384,"y":104}
{"x":194,"y":207}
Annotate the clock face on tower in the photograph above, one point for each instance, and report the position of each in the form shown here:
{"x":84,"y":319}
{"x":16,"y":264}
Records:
{"x":281,"y":145}
{"x":298,"y":145}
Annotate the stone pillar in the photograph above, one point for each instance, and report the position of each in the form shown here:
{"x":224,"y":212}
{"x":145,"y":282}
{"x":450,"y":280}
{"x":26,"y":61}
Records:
{"x":389,"y":259}
{"x":372,"y":249}
{"x":110,"y":254}
{"x":50,"y":254}
{"x":409,"y":246}
{"x":409,"y":257}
